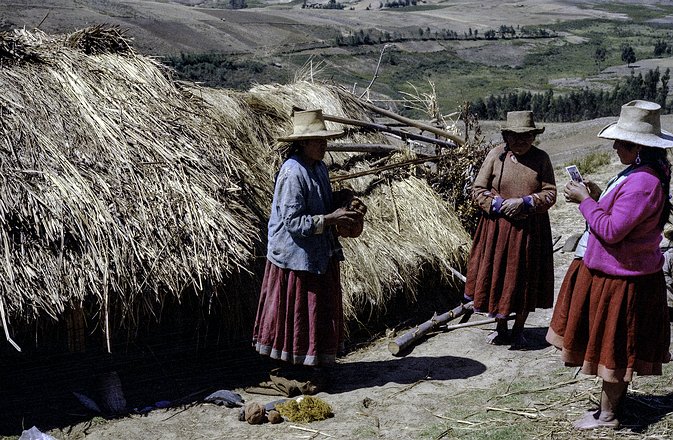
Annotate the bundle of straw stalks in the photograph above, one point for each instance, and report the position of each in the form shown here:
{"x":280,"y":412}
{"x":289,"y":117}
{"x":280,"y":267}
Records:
{"x":124,"y":189}
{"x":119,"y":190}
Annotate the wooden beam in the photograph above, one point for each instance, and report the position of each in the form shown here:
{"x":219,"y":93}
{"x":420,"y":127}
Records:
{"x":384,"y":128}
{"x":371,"y":148}
{"x":413,"y":123}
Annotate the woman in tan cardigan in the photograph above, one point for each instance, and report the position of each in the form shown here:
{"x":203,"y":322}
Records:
{"x":511,"y":269}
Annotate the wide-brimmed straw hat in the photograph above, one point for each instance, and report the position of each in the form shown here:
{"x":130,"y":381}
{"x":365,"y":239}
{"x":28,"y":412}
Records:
{"x":639,"y":123}
{"x":521,"y":122}
{"x":309,"y":124}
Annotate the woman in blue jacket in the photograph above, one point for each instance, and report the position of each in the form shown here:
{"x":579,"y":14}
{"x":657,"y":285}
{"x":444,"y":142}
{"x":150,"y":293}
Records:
{"x":300,"y":314}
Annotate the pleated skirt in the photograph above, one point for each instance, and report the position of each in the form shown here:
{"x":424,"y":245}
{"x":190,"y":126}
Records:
{"x":611,"y":326}
{"x":511,"y":266}
{"x":300,"y":315}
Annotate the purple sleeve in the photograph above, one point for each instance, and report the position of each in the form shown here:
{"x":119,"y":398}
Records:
{"x":496,"y":204}
{"x":636,"y":200}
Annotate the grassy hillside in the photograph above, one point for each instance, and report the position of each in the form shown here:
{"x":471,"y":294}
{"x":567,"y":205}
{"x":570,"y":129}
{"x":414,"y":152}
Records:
{"x":436,"y":41}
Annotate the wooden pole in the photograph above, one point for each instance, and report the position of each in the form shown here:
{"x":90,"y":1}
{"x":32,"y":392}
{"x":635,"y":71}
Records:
{"x":404,"y":341}
{"x":384,"y":168}
{"x":407,"y":339}
{"x":384,"y":128}
{"x":413,"y":123}
{"x":474,"y":323}
{"x":370,"y":148}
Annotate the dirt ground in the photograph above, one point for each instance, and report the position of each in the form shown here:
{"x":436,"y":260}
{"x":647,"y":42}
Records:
{"x":452,"y":385}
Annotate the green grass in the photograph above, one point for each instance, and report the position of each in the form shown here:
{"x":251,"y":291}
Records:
{"x":550,"y":410}
{"x":457,"y":80}
{"x":364,"y":432}
{"x":636,"y":12}
{"x":591,"y":163}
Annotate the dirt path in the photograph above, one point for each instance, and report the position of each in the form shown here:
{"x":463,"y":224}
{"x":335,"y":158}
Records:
{"x":453,"y":385}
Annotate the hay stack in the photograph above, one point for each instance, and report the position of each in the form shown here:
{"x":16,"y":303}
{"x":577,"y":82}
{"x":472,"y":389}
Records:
{"x":118,"y":190}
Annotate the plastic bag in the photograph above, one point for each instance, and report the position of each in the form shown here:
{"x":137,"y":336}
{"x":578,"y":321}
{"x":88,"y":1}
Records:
{"x":35,"y":434}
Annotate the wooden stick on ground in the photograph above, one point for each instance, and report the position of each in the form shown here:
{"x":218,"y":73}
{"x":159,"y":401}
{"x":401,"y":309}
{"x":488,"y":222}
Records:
{"x":315,"y":431}
{"x":407,"y":339}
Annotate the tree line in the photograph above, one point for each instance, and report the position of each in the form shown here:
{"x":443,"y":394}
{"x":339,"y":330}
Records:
{"x":375,"y":36}
{"x":579,"y":105}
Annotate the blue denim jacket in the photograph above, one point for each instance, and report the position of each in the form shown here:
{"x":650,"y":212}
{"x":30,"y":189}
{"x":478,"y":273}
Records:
{"x":301,"y":192}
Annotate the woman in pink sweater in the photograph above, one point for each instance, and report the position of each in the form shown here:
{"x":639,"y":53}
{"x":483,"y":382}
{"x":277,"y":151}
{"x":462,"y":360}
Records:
{"x":611,"y":317}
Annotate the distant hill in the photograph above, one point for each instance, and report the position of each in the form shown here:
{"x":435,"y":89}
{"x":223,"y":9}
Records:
{"x":458,"y":51}
{"x":171,"y":27}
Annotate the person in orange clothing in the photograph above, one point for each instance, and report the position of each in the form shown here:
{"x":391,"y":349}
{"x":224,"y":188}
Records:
{"x":611,"y":317}
{"x":511,"y":268}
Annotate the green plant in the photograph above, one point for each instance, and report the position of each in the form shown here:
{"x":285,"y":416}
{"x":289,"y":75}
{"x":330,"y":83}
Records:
{"x":590,"y":163}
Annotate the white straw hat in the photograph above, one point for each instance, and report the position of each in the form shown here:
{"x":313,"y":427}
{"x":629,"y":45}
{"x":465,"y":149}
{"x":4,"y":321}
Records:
{"x":521,"y":122}
{"x":639,"y":123}
{"x":309,"y":124}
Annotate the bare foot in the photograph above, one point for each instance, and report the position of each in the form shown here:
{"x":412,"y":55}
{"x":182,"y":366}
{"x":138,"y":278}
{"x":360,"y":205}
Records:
{"x":593,"y":420}
{"x":497,"y":338}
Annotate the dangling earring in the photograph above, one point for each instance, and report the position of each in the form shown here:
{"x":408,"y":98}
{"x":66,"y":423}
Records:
{"x":638,"y":158}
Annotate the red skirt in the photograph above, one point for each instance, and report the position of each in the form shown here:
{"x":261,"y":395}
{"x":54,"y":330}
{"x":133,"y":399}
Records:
{"x":611,"y":326}
{"x":511,"y":266}
{"x":300,"y":315}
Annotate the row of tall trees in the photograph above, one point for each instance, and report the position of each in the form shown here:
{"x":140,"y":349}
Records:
{"x":375,"y":36}
{"x":580,"y":105}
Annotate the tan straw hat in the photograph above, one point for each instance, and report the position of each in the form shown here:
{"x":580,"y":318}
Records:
{"x":309,"y":124}
{"x":639,"y":123}
{"x":521,"y":122}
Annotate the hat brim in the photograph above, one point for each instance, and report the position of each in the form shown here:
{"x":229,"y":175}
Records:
{"x":613,"y":132}
{"x":536,"y":130}
{"x":323,"y":134}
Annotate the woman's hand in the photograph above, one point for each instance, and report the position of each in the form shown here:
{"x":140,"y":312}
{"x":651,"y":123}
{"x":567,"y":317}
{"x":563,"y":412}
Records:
{"x":342,"y":217}
{"x":575,"y":192}
{"x":594,"y":190}
{"x":512,"y":207}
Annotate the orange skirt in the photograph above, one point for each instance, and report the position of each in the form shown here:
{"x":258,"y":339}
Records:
{"x":511,"y":266}
{"x":611,"y":326}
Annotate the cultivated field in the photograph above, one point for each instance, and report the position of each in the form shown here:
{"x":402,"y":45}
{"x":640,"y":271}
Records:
{"x":270,"y":41}
{"x":452,"y":385}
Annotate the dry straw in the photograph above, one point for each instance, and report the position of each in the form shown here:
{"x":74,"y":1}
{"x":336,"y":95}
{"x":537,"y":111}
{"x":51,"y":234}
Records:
{"x":122,"y":187}
{"x":115,"y":183}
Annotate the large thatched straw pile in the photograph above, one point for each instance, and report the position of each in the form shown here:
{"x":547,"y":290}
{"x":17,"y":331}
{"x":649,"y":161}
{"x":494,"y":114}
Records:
{"x":118,"y":189}
{"x":123,"y":189}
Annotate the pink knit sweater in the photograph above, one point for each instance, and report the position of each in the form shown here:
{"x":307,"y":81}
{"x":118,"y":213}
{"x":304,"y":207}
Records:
{"x":625,"y":234}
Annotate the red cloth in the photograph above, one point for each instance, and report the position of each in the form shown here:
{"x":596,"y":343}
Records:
{"x":300,"y":315}
{"x":511,"y":267}
{"x":611,"y":326}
